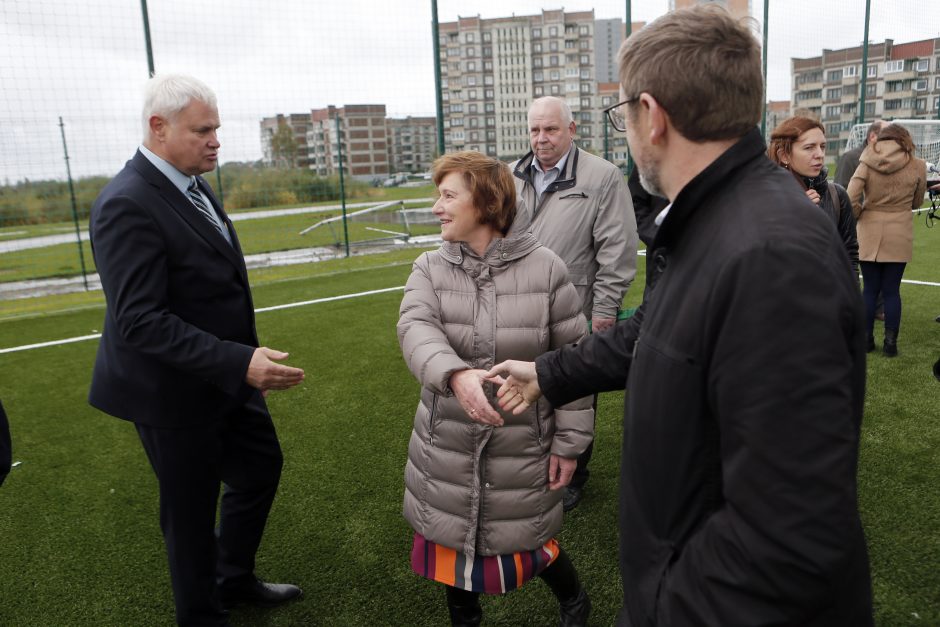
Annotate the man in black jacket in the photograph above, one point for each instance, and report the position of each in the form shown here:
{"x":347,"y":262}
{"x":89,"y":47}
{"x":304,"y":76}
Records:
{"x":744,"y":366}
{"x":179,"y":355}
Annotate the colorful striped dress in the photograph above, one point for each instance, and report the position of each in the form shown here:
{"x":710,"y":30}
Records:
{"x":492,"y":574}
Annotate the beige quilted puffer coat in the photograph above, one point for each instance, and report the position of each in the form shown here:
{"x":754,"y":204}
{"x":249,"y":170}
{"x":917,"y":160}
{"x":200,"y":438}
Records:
{"x":471,"y":487}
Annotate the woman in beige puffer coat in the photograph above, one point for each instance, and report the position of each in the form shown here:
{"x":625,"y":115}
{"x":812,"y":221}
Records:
{"x":482,"y":487}
{"x":893,"y":182}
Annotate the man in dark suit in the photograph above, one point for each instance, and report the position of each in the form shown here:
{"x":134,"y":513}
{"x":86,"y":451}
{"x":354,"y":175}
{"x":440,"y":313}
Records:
{"x":179,"y":354}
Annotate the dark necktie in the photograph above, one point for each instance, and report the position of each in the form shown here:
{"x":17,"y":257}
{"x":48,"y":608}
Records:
{"x":196,"y":197}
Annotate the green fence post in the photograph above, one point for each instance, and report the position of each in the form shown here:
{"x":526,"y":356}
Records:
{"x":437,"y":79}
{"x":864,"y":84}
{"x":342,"y":184}
{"x":78,"y":231}
{"x":143,"y":10}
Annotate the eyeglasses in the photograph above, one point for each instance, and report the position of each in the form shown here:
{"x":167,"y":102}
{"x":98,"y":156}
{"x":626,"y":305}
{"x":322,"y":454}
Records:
{"x":615,"y":114}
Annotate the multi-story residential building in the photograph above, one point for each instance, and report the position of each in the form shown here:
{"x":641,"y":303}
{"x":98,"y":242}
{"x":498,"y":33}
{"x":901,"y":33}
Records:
{"x":901,"y":81}
{"x":613,"y":146}
{"x":362,"y":137}
{"x":492,"y":69}
{"x":412,"y":143}
{"x":777,"y":112}
{"x":299,"y":124}
{"x":737,"y":8}
{"x":608,"y":36}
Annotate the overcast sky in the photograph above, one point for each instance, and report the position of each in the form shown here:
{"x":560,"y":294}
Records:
{"x":86,"y":61}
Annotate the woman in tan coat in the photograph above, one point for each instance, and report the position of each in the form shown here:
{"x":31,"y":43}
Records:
{"x":893,"y":182}
{"x":482,"y":487}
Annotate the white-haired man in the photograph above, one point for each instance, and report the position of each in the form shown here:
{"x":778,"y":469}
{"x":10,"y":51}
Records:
{"x":179,"y":354}
{"x":578,"y":206}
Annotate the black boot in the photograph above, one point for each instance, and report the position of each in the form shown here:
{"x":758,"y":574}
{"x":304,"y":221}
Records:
{"x":464,"y":607}
{"x":574,"y":613}
{"x":871,"y":343}
{"x":891,"y":343}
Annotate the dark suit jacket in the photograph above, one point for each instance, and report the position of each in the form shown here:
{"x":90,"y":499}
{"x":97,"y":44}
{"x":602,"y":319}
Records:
{"x":6,"y":450}
{"x":179,"y":328}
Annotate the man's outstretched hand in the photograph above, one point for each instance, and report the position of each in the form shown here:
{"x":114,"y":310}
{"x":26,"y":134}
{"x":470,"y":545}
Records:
{"x":265,"y":374}
{"x":518,"y":384}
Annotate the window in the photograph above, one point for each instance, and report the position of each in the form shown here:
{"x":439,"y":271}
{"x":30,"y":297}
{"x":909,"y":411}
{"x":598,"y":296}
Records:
{"x":538,"y":90}
{"x":585,"y":75}
{"x":471,"y":80}
{"x":851,"y":70}
{"x":553,"y":60}
{"x":457,"y":135}
{"x":569,"y":44}
{"x":553,"y":31}
{"x":936,"y":83}
{"x":553,"y":46}
{"x":585,"y":88}
{"x":536,"y":33}
{"x":871,"y":90}
{"x":606,"y":101}
{"x":920,"y":85}
{"x":922,"y":65}
{"x":537,"y":76}
{"x":834,"y":94}
{"x":893,"y":66}
{"x":469,"y":38}
{"x":489,"y":107}
{"x":571,"y":72}
{"x":487,"y":51}
{"x":891,"y":105}
{"x":537,"y":47}
{"x":872,"y":71}
{"x":833,"y":111}
{"x":537,"y":62}
{"x":585,"y":103}
{"x":488,"y":67}
{"x":488,"y":93}
{"x":936,"y":102}
{"x":456,"y":108}
{"x":920,"y":104}
{"x":444,"y":83}
{"x":472,"y":95}
{"x":585,"y":59}
{"x":569,"y":87}
{"x":555,"y":90}
{"x":584,"y":30}
{"x":833,"y":129}
{"x":585,"y":44}
{"x":488,"y":79}
{"x":473,"y":124}
{"x":585,"y":116}
{"x":491,"y":121}
{"x":555,"y":75}
{"x":472,"y":109}
{"x":471,"y":66}
{"x":834,"y":75}
{"x":869,"y":109}
{"x":487,"y":37}
{"x":491,"y":136}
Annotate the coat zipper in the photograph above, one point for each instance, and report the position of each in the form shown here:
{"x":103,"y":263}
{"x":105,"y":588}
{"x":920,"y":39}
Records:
{"x":431,"y":419}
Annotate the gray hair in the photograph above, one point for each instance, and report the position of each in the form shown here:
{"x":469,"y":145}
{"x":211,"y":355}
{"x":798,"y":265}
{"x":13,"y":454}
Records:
{"x":566,"y":116}
{"x":168,"y":94}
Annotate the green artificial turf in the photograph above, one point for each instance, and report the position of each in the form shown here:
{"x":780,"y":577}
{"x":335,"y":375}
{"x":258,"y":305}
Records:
{"x":79,"y":536}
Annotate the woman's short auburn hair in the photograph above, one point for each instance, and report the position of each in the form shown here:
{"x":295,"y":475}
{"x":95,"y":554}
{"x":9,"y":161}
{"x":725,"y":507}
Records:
{"x":787,"y":132}
{"x":489,"y":180}
{"x":898,"y":133}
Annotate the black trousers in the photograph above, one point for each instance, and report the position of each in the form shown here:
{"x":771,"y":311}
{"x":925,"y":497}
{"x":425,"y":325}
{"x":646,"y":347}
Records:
{"x":581,"y":472}
{"x":240,"y":451}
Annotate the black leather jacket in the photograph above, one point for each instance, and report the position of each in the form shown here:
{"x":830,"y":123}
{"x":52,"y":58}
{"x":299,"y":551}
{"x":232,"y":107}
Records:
{"x":841,"y":214}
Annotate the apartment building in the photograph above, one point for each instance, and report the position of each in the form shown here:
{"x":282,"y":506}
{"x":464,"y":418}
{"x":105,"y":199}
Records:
{"x":299,"y":124}
{"x":492,"y":69}
{"x":608,"y":36}
{"x":613,"y":147}
{"x":361,"y":135}
{"x":902,"y":81}
{"x":412,"y":143}
{"x":777,"y":112}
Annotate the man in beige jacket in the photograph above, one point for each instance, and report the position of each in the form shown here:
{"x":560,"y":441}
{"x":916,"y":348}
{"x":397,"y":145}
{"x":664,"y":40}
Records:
{"x":578,"y":205}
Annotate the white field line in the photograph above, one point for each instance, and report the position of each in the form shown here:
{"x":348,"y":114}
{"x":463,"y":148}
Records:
{"x":95,"y":336}
{"x":304,"y":303}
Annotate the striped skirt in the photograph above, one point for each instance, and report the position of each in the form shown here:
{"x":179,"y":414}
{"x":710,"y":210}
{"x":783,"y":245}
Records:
{"x":493,"y":574}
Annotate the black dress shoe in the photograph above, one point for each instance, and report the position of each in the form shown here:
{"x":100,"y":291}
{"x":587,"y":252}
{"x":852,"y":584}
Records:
{"x":260,"y":593}
{"x":571,"y":499}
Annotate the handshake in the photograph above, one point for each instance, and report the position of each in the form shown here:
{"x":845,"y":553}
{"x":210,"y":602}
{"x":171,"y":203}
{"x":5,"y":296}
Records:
{"x":518,"y":389}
